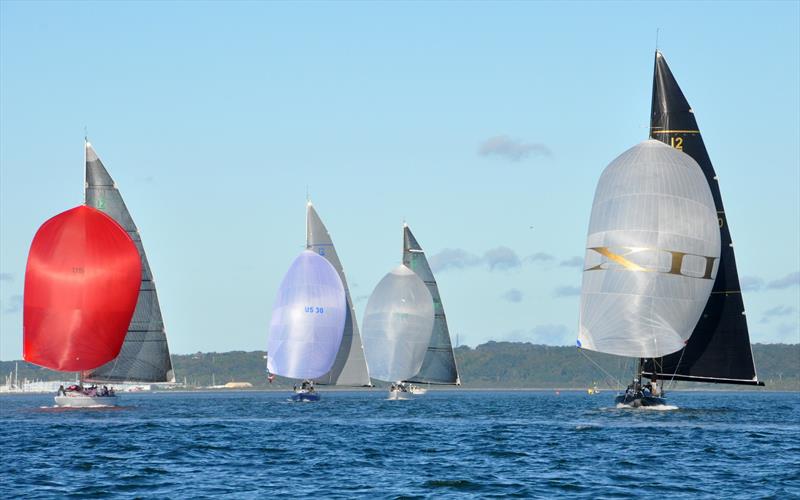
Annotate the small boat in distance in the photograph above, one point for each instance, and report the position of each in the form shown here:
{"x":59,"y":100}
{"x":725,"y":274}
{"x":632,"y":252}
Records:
{"x":398,"y":323}
{"x":308,"y":322}
{"x":81,"y":286}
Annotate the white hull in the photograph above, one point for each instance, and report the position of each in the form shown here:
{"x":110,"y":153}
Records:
{"x":84,"y":401}
{"x":398,"y":395}
{"x":417,"y":391}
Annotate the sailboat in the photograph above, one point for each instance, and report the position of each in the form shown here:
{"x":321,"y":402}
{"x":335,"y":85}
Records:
{"x":144,"y":354}
{"x":81,"y":286}
{"x":439,"y":365}
{"x":144,"y":357}
{"x":350,"y":366}
{"x":308,"y":323}
{"x":660,"y":282}
{"x":398,"y":326}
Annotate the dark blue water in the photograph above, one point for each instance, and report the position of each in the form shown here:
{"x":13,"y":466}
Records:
{"x":449,"y":443}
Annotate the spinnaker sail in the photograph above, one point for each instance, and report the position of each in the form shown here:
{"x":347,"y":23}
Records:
{"x":350,"y":366}
{"x":719,"y":348}
{"x":439,"y":365}
{"x":651,"y":256}
{"x":308,"y":319}
{"x":81,"y":284}
{"x":398,"y":323}
{"x":145,"y":354}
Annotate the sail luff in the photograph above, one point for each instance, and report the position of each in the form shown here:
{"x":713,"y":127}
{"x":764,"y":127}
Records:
{"x":145,"y":354}
{"x":350,"y":367}
{"x":719,"y":348}
{"x":439,"y":365}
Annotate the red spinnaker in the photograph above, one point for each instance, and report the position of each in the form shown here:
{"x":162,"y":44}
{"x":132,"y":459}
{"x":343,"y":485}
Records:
{"x":81,"y":286}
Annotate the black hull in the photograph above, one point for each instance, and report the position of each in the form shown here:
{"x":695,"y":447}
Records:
{"x":635,"y":401}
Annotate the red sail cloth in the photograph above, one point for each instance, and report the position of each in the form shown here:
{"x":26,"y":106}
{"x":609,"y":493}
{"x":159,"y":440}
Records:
{"x":81,"y":286}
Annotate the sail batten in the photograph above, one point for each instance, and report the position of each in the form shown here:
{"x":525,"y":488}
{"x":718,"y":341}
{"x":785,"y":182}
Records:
{"x":350,"y":366}
{"x":719,"y":347}
{"x":439,"y":365}
{"x":145,"y":354}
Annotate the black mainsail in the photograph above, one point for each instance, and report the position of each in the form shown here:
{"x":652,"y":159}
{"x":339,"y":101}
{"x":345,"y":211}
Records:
{"x":145,"y":354}
{"x":718,"y":350}
{"x":439,"y":365}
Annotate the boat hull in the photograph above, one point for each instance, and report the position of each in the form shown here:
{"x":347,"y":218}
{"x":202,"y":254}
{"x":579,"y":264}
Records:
{"x":85,"y":401}
{"x":637,"y":400}
{"x":398,"y":395}
{"x":305,"y":397}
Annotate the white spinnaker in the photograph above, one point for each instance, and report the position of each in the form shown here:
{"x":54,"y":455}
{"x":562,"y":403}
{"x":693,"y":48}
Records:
{"x":398,"y":324}
{"x":652,"y":253}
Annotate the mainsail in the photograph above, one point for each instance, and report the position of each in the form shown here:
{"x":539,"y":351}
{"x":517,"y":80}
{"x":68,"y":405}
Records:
{"x":398,"y":323}
{"x":350,"y":366}
{"x":651,"y":253}
{"x":439,"y":366}
{"x":719,"y":348}
{"x":81,"y":284}
{"x":145,"y":354}
{"x":308,"y":319}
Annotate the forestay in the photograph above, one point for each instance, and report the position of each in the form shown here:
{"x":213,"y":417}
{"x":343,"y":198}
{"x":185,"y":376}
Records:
{"x":652,"y":253}
{"x":398,"y":323}
{"x":307,"y":319}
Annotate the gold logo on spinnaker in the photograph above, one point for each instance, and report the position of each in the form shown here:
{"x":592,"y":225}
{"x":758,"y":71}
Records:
{"x":625,"y":263}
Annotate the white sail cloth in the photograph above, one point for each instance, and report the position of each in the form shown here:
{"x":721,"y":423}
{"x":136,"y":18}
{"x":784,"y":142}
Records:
{"x":307,"y":319}
{"x":652,"y":253}
{"x":397,"y":327}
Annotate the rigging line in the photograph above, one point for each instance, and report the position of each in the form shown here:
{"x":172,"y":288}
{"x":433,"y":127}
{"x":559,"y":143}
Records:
{"x":601,"y":369}
{"x":672,"y":380}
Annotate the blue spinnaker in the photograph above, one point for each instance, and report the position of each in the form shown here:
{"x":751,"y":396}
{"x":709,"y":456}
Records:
{"x":307,"y":319}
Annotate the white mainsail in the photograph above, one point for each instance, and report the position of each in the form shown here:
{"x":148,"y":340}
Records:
{"x":398,"y":324}
{"x":651,"y":256}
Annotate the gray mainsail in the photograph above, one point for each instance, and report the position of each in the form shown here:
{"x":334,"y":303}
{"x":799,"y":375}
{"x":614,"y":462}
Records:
{"x":350,"y":367}
{"x":145,"y":355}
{"x":439,"y":365}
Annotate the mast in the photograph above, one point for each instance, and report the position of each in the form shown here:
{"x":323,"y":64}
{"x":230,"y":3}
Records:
{"x":718,"y":350}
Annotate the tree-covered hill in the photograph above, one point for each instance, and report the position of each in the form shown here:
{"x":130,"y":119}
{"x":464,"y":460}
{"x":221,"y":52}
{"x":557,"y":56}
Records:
{"x":493,"y":364}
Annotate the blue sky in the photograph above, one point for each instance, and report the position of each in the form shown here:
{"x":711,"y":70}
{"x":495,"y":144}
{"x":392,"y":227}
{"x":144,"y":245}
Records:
{"x":484,"y":125}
